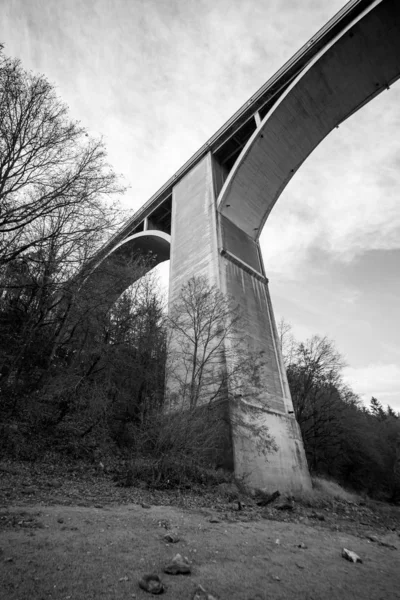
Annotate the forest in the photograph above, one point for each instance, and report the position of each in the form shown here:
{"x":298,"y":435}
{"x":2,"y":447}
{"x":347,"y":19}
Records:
{"x":80,"y":381}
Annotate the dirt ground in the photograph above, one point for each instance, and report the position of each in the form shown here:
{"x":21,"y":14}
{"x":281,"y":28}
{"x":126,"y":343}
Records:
{"x":81,"y":552}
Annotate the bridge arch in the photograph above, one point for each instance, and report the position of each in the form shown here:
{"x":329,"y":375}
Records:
{"x":361,"y":62}
{"x":109,"y":277}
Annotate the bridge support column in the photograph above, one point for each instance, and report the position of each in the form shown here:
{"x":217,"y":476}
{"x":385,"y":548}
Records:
{"x":205,"y":243}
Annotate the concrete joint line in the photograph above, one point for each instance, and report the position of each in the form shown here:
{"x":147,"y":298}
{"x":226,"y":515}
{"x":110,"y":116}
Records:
{"x":240,"y":263}
{"x":263,"y":409}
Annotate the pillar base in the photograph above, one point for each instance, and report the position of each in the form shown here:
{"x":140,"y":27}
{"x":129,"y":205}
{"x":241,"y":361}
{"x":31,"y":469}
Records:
{"x":277,"y":464}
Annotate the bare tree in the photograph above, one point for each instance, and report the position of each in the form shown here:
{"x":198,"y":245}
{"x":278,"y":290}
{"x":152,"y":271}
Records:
{"x":56,"y":208}
{"x":209,"y":358}
{"x":53,"y":176}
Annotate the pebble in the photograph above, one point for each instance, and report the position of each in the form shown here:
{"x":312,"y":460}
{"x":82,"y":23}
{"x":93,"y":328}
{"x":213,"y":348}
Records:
{"x":178,"y":566}
{"x":351,"y":556}
{"x":151,"y":584}
{"x":201,"y":594}
{"x":172,"y":537}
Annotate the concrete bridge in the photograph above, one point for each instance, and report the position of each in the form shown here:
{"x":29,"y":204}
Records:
{"x":207,"y":219}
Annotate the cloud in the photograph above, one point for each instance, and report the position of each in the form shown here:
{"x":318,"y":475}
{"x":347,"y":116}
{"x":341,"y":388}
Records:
{"x":344,"y":199}
{"x":378,"y":380}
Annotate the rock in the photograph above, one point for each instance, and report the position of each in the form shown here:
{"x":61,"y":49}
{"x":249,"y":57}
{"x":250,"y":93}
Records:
{"x":268,"y":498}
{"x":373,"y":538}
{"x":152,"y":584}
{"x":60,"y":520}
{"x":172,"y":537}
{"x":351,"y":556}
{"x":164,"y":523}
{"x":318,"y":516}
{"x":302,"y":545}
{"x":214,"y":520}
{"x":54,"y":484}
{"x":145,"y":505}
{"x":285,"y":506}
{"x":386,"y":545}
{"x":201,"y":594}
{"x":178,"y":566}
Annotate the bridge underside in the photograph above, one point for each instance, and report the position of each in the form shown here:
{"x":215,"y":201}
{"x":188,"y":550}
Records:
{"x":362,"y":62}
{"x":103,"y":282}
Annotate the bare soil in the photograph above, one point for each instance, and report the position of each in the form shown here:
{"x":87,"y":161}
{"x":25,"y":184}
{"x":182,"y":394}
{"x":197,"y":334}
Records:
{"x":70,"y":537}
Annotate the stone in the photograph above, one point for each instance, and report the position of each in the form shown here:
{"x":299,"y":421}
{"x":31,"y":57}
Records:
{"x":302,"y":545}
{"x":28,"y":490}
{"x":145,"y":505}
{"x":178,"y":566}
{"x":267,"y":498}
{"x":54,"y":484}
{"x":201,"y":594}
{"x":317,"y":516}
{"x":285,"y":506}
{"x":351,"y":556}
{"x":214,"y":520}
{"x":172,"y":537}
{"x":151,"y":584}
{"x":387,"y":545}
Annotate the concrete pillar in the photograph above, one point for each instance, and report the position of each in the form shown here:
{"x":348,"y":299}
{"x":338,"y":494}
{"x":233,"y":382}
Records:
{"x":205,"y":243}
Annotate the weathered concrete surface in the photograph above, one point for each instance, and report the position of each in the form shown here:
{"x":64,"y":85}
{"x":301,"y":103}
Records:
{"x":194,"y":251}
{"x":285,"y":469}
{"x":194,"y":245}
{"x":228,"y":258}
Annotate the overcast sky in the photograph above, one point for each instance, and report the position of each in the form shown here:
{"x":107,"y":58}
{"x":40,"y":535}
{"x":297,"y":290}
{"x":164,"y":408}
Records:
{"x":157,"y":78}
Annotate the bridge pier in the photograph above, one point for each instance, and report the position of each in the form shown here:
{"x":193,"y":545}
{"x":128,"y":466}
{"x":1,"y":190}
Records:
{"x":205,"y":243}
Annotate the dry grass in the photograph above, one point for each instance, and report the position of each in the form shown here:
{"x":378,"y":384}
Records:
{"x":325,"y":493}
